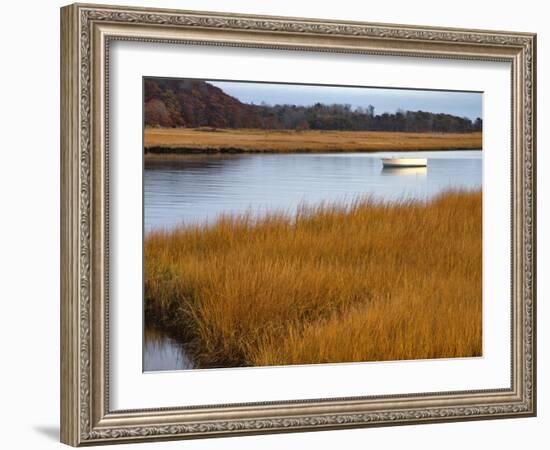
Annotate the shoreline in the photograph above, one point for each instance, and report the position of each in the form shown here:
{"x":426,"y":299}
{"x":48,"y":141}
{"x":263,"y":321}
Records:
{"x":188,"y":141}
{"x":176,"y":151}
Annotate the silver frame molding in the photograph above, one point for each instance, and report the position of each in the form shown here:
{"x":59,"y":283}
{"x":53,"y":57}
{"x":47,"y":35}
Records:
{"x":86,"y":32}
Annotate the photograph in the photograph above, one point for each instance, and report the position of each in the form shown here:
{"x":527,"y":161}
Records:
{"x":297,"y":224}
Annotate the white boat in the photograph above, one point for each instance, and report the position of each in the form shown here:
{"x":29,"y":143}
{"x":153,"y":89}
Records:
{"x":404,"y":162}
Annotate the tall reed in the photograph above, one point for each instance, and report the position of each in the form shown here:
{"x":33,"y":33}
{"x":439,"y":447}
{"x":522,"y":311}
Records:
{"x":366,"y":281}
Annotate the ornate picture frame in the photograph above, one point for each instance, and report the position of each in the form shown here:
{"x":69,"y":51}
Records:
{"x":87,"y":31}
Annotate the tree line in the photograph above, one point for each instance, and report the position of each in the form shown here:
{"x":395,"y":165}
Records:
{"x":195,"y":103}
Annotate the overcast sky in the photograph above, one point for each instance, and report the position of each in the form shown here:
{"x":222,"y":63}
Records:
{"x":461,"y":104}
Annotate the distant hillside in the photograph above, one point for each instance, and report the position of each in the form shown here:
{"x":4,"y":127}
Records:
{"x":194,"y":103}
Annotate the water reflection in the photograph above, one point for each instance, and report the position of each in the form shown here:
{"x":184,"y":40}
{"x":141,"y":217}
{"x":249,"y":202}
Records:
{"x":197,"y":163}
{"x":416,"y":171}
{"x":160,"y":352}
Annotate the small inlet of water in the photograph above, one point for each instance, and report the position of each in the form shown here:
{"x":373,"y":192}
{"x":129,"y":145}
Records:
{"x":161,"y":352}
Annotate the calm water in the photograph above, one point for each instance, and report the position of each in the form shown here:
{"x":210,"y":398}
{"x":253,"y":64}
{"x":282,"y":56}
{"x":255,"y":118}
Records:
{"x":161,"y":352}
{"x":197,"y":188}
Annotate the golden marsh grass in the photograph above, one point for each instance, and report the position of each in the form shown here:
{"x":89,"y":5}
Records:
{"x":166,"y":140}
{"x":368,"y":281}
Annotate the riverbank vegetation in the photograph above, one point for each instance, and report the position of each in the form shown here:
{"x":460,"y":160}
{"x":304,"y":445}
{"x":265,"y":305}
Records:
{"x":212,"y":140}
{"x":368,"y":281}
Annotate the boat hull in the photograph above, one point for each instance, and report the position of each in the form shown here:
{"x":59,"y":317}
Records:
{"x":404,"y":162}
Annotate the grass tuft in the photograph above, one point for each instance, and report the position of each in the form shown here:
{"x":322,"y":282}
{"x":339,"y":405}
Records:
{"x":367,"y":281}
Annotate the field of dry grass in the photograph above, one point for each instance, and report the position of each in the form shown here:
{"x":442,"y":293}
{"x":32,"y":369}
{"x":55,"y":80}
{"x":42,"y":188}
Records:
{"x":363,"y":282}
{"x":186,"y":140}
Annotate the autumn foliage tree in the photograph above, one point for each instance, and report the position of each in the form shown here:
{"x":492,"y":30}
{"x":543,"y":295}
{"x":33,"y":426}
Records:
{"x":156,"y":114}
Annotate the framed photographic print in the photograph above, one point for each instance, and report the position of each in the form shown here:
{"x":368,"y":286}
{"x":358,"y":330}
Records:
{"x":275,"y":224}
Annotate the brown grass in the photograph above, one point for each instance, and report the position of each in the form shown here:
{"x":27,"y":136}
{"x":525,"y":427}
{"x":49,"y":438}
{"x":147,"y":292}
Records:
{"x":186,"y":140}
{"x":363,"y":282}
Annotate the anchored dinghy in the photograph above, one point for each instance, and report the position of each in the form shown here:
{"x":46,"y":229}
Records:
{"x":404,"y":162}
